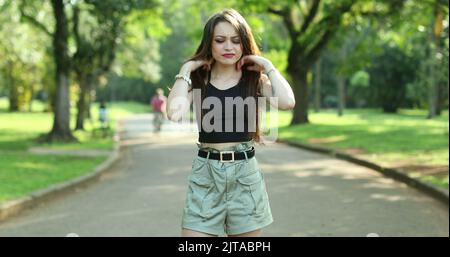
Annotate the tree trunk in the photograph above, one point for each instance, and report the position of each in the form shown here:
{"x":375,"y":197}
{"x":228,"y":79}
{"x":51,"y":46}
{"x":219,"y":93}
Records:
{"x":341,"y":95}
{"x":30,"y":102}
{"x":433,"y":86}
{"x":318,"y":77}
{"x":308,"y":40}
{"x":300,"y":88}
{"x":432,"y":97}
{"x":13,"y":92}
{"x":61,"y":123}
{"x":81,"y":104}
{"x":442,"y":96}
{"x":89,"y":103}
{"x":442,"y":85}
{"x":298,"y":71}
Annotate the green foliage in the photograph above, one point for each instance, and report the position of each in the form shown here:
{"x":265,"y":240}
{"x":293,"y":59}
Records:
{"x":358,"y":90}
{"x":155,"y":37}
{"x":389,"y":75}
{"x":278,"y":58}
{"x":23,"y":57}
{"x":353,"y":48}
{"x":360,"y":79}
{"x":126,"y":89}
{"x":413,"y":38}
{"x":139,"y":56}
{"x":118,"y":8}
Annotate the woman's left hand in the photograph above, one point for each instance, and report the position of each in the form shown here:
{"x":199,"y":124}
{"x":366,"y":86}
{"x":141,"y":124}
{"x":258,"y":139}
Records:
{"x":259,"y":63}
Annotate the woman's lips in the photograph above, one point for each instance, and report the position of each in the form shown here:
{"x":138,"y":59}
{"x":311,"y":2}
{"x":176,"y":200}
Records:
{"x":228,"y":55}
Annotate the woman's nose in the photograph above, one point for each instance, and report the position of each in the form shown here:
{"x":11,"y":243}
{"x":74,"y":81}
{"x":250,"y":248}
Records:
{"x":228,"y":45}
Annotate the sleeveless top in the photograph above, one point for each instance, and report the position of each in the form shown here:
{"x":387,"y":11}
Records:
{"x":234,"y":124}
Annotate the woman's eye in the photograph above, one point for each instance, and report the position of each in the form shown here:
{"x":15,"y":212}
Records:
{"x":234,"y":42}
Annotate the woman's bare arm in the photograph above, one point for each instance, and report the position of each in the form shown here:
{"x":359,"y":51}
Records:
{"x":180,"y":98}
{"x":273,"y":84}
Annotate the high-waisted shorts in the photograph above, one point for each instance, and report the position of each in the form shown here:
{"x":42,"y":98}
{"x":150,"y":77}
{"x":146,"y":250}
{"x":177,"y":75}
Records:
{"x":226,"y":197}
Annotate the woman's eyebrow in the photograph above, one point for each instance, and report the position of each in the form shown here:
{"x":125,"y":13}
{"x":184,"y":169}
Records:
{"x":225,"y":36}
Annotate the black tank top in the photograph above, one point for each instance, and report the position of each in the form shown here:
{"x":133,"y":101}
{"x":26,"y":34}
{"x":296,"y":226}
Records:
{"x":229,"y":131}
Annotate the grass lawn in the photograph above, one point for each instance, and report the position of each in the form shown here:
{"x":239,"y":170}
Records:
{"x":406,"y":140}
{"x":22,"y":172}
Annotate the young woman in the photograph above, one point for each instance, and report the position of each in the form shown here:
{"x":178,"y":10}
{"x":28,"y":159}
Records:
{"x":227,"y":192}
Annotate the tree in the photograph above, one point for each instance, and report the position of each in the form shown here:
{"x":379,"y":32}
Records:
{"x":96,"y":40}
{"x":94,"y":53}
{"x":311,"y":26}
{"x":60,"y":35}
{"x":21,"y":55}
{"x":352,"y":49}
{"x":436,"y":54}
{"x":61,"y":123}
{"x":425,"y":38}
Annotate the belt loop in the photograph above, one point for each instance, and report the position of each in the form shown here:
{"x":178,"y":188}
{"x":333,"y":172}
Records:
{"x":246,"y":158}
{"x":207,"y":156}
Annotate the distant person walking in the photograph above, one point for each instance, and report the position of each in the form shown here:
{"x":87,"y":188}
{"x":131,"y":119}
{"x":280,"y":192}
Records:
{"x":103,"y":115}
{"x":158,"y":103}
{"x":103,"y":119}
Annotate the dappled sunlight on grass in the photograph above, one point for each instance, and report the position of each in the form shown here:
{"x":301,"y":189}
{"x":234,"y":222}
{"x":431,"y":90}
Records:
{"x":25,"y":173}
{"x":443,"y":182}
{"x":376,"y":136}
{"x":31,"y":166}
{"x":22,"y":172}
{"x":19,"y":130}
{"x":327,"y":139}
{"x":386,"y":139}
{"x":86,"y":141}
{"x":26,"y":122}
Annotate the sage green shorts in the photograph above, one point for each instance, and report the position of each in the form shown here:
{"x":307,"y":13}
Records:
{"x":226,"y":198}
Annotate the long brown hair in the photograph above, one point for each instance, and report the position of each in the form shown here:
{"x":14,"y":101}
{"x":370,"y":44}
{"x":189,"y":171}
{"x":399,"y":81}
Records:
{"x":250,"y":80}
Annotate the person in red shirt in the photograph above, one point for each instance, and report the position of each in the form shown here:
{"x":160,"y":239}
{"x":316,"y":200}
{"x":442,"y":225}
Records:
{"x":158,"y":103}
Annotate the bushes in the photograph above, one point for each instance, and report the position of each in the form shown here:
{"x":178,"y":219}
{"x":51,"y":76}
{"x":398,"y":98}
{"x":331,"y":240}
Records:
{"x":390,"y":73}
{"x":126,"y":89}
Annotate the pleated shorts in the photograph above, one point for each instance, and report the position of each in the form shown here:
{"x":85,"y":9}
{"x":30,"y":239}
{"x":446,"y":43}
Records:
{"x":226,"y":198}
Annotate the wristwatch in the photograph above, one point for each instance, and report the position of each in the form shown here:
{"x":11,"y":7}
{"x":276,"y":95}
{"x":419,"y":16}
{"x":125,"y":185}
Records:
{"x":185,"y":78}
{"x":270,"y":70}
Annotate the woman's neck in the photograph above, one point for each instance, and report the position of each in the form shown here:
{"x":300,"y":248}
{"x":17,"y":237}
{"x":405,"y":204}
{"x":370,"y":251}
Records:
{"x":223,"y":71}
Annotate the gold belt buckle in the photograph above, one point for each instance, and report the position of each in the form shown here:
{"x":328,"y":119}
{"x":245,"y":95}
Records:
{"x":227,"y":152}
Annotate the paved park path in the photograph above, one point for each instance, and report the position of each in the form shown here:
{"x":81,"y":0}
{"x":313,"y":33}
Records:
{"x":311,"y":194}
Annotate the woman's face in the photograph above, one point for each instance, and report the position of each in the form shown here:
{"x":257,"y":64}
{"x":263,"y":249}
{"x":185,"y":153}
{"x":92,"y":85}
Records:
{"x":226,"y":44}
